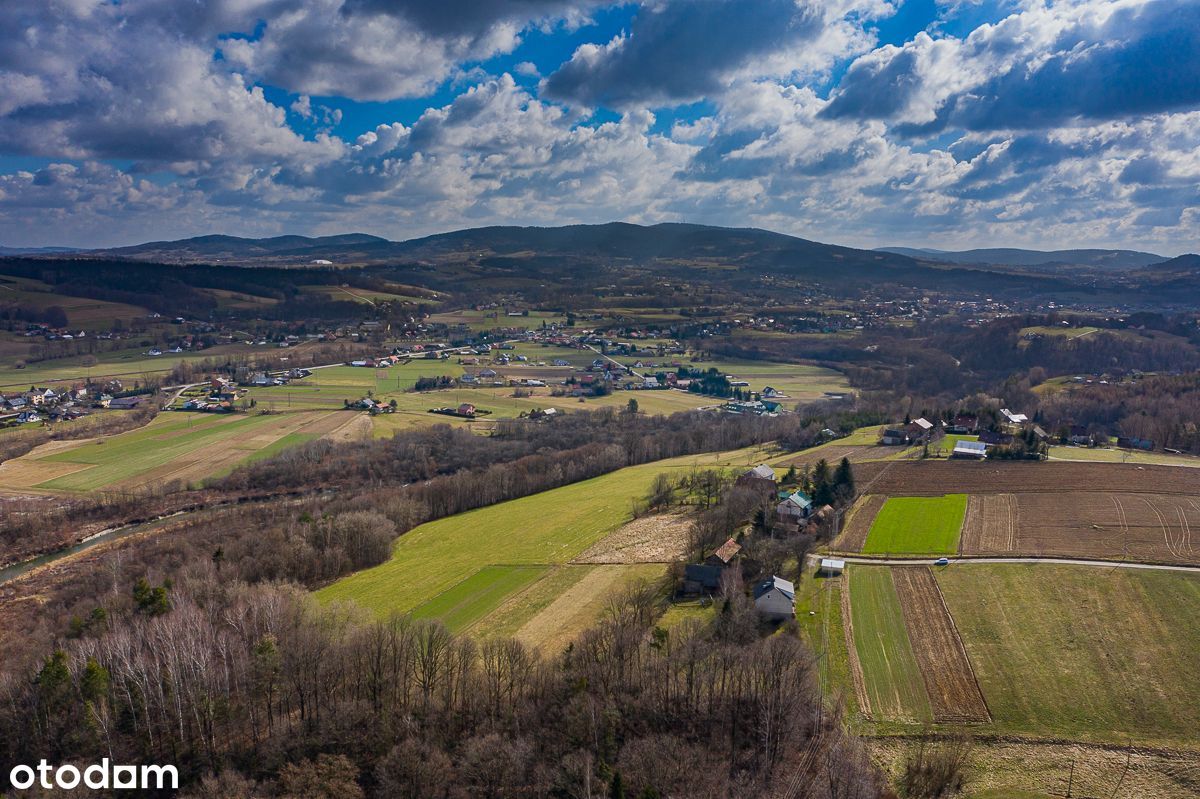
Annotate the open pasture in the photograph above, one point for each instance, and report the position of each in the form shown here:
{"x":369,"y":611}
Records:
{"x":477,"y":595}
{"x":917,"y":526}
{"x":82,"y":312}
{"x":550,"y":530}
{"x":1082,"y":653}
{"x":1113,"y":455}
{"x":128,"y":365}
{"x":493,"y":319}
{"x":573,"y":608}
{"x":553,"y":527}
{"x":364,"y":296}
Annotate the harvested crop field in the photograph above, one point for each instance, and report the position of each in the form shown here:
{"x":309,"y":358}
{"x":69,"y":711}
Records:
{"x":660,"y":538}
{"x":927,"y":478}
{"x":1144,"y":527}
{"x":990,"y":525}
{"x":858,"y":523}
{"x":949,"y":679}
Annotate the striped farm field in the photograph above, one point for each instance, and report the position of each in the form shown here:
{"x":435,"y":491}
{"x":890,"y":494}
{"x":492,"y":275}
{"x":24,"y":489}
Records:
{"x":174,"y":446}
{"x":435,"y":567}
{"x":892,"y":688}
{"x":478,"y":595}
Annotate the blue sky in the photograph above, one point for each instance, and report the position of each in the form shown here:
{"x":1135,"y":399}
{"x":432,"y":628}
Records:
{"x":944,"y":123}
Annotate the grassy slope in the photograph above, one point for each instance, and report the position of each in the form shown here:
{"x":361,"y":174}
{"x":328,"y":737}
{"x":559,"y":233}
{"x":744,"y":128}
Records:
{"x":543,"y":529}
{"x":1105,"y":455}
{"x":478,"y":595}
{"x":893,"y":680}
{"x":170,"y":437}
{"x":1083,"y":653}
{"x":918,"y":526}
{"x":547,"y":528}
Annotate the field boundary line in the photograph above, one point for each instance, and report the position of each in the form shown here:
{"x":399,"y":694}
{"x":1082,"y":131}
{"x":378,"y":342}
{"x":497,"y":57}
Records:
{"x":856,"y":672}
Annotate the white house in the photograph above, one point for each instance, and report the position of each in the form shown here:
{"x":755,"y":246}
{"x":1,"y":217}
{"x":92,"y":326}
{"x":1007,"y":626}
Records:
{"x":775,"y":599}
{"x":1014,"y":418}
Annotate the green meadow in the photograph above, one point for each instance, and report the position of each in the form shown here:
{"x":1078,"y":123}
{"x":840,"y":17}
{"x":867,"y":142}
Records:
{"x":917,"y":526}
{"x":892,"y":679}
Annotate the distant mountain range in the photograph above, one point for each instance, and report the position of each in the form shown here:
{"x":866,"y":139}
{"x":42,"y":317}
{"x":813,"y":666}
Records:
{"x":534,"y":248}
{"x":1039,"y":260}
{"x":492,"y":258}
{"x":36,"y":250}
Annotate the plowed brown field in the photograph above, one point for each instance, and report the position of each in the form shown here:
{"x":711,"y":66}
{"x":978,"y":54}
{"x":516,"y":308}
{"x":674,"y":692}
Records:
{"x":934,"y":478}
{"x":858,"y":523}
{"x":1142,"y":527}
{"x":954,"y":694}
{"x":990,"y":525}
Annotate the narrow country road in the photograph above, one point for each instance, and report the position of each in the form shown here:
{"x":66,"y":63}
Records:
{"x":1110,"y":564}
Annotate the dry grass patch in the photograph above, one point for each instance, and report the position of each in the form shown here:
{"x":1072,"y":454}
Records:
{"x":660,"y":538}
{"x":580,"y":606}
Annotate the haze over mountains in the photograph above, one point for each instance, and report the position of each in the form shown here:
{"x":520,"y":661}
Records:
{"x":1044,"y":260}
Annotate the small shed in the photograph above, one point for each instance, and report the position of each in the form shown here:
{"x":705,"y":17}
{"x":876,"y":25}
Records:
{"x":831,"y":567}
{"x":724,"y":554}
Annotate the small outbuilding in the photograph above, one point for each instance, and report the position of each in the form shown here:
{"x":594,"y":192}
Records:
{"x":832,"y":567}
{"x":969,"y":450}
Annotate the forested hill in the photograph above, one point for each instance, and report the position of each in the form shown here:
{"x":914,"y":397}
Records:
{"x":1041,"y":260}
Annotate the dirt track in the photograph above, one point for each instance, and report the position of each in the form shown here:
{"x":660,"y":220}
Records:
{"x":949,"y":679}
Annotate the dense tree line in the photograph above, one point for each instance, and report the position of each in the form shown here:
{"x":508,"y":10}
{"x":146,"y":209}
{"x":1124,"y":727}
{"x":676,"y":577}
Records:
{"x":1162,"y":408}
{"x":260,"y":691}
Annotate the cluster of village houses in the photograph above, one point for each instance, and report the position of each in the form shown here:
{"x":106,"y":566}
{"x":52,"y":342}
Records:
{"x":774,"y":597}
{"x":1012,"y":424}
{"x":64,"y":404}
